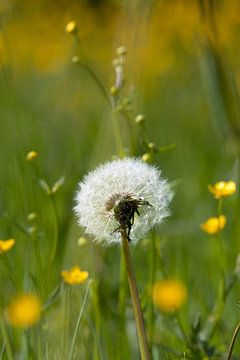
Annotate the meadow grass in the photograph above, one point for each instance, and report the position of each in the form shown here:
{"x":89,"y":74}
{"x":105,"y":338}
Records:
{"x":178,"y":108}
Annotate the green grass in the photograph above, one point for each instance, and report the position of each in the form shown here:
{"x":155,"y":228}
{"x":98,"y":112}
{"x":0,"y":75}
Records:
{"x":62,"y":114}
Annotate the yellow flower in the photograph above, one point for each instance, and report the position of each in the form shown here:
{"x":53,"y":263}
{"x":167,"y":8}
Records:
{"x":214,"y":224}
{"x":31,"y":155}
{"x":222,"y":188}
{"x":169,"y":295}
{"x":6,"y":245}
{"x":71,"y":27}
{"x":24,"y":311}
{"x":74,"y":276}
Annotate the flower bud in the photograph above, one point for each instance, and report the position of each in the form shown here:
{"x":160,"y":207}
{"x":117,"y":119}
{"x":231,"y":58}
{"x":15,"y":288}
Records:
{"x":147,"y":157}
{"x":121,"y":51}
{"x":71,"y":27}
{"x":139,"y":119}
{"x":31,"y":155}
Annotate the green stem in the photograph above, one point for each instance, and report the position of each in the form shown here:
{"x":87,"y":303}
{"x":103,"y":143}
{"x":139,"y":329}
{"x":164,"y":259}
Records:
{"x":71,"y":353}
{"x":142,"y":336}
{"x":131,"y":132}
{"x":97,"y":318}
{"x":97,"y":82}
{"x":117,"y":133}
{"x":56,"y":223}
{"x":7,"y":342}
{"x":11,"y":274}
{"x":152,"y":263}
{"x":230,"y":350}
{"x":220,"y":206}
{"x":38,"y":265}
{"x":122,"y":308}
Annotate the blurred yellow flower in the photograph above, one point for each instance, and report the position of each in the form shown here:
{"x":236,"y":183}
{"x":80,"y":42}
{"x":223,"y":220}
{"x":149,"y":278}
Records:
{"x":6,"y":245}
{"x":222,"y":188}
{"x":71,"y":27}
{"x":74,"y":275}
{"x":169,"y":295}
{"x":24,"y":311}
{"x":214,"y":224}
{"x":31,"y":155}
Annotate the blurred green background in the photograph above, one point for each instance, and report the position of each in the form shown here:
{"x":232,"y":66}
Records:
{"x":183,"y":73}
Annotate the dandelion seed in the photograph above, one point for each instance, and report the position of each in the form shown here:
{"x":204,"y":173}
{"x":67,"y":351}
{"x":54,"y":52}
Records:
{"x":71,"y":27}
{"x":6,"y":245}
{"x":222,"y":189}
{"x":214,"y":224}
{"x":74,"y":276}
{"x":169,"y":295}
{"x":123,"y":193}
{"x":31,"y":155}
{"x":24,"y":311}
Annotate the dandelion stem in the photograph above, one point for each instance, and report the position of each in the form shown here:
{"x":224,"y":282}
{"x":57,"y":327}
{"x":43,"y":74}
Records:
{"x":122,"y":308}
{"x":142,"y":336}
{"x":70,"y":356}
{"x":230,"y":350}
{"x":152,"y":264}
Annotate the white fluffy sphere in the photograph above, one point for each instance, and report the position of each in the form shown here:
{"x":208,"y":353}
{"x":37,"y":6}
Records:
{"x":129,"y":176}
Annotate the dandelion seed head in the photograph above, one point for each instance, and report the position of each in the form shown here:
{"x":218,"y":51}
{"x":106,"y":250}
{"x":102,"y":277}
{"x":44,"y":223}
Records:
{"x":103,"y":189}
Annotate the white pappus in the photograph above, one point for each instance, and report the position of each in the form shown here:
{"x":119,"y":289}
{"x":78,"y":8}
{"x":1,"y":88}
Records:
{"x":101,"y":191}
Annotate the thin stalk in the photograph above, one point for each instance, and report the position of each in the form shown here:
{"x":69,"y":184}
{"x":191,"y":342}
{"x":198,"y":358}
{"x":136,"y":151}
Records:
{"x":3,"y":350}
{"x":97,"y":318}
{"x":70,"y":356}
{"x":56,"y":223}
{"x":142,"y":336}
{"x":7,"y":342}
{"x":230,"y":350}
{"x":38,"y":264}
{"x":64,"y":309}
{"x":117,"y":133}
{"x":131,"y":132}
{"x":91,"y":73}
{"x":97,"y":82}
{"x":152,"y":263}
{"x":221,"y":250}
{"x":11,"y":274}
{"x":122,"y":308}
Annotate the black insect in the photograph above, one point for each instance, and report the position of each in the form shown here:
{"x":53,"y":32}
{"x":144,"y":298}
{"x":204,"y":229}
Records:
{"x":124,"y":212}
